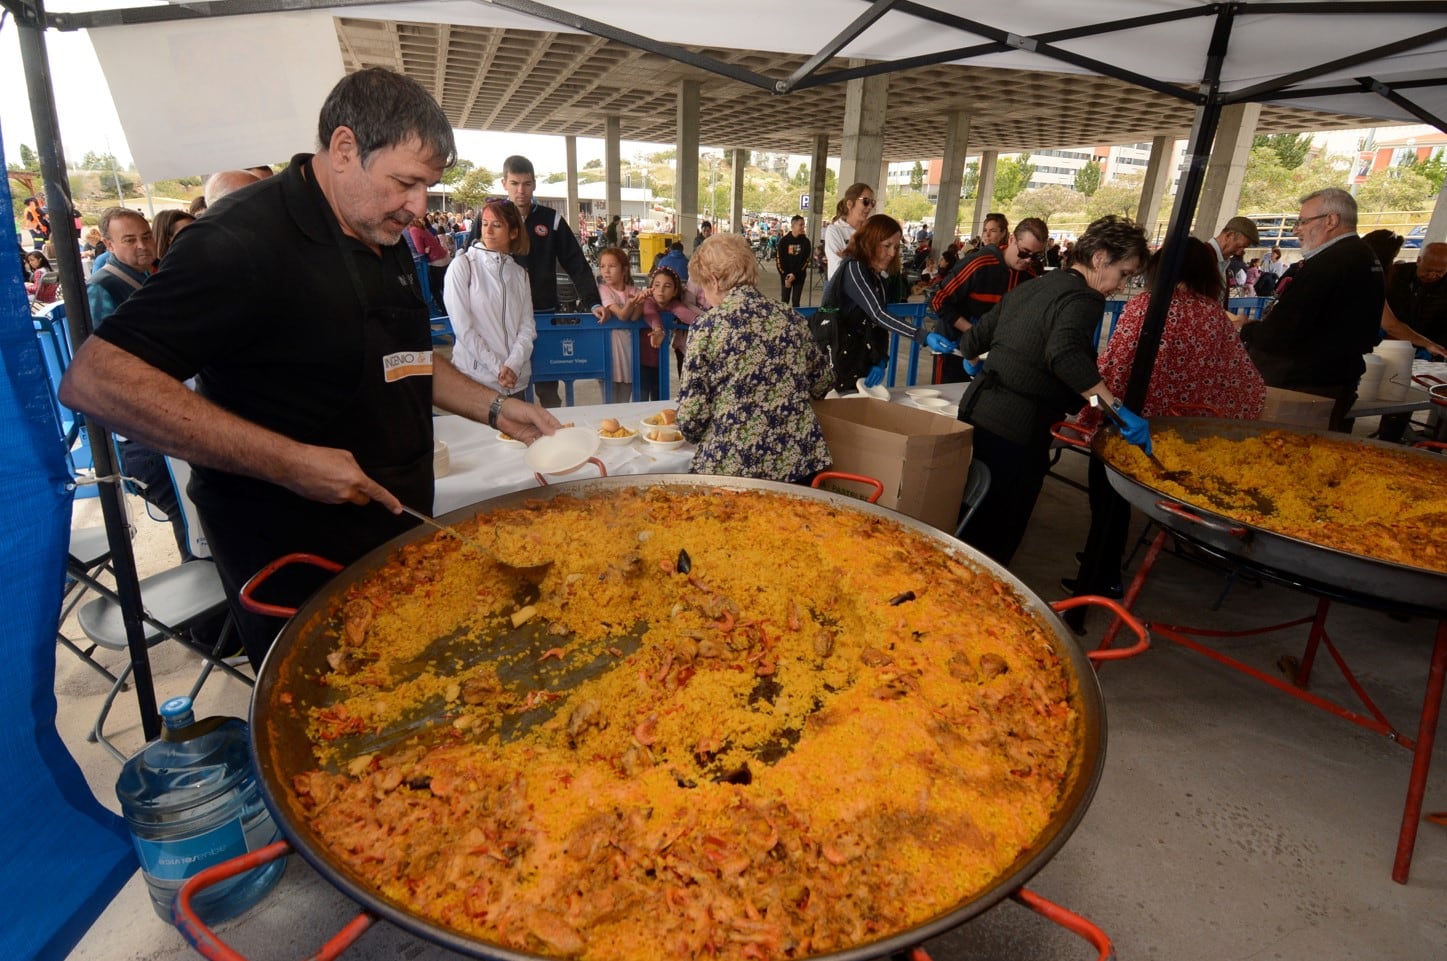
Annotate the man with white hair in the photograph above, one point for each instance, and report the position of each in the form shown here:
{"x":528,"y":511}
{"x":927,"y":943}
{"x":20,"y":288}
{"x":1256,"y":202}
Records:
{"x":1313,"y":338}
{"x":223,"y":182}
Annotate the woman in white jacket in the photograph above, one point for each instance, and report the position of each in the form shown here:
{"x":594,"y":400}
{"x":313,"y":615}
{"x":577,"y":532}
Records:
{"x":490,"y":303}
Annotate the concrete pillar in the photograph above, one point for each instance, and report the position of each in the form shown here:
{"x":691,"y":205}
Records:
{"x":685,"y":201}
{"x":1437,"y":226}
{"x":1221,"y":192}
{"x":821,"y":208}
{"x":1153,"y":191}
{"x":881,"y":186}
{"x":985,"y":192}
{"x":570,"y":151}
{"x":740,"y":159}
{"x":952,"y":176}
{"x":863,"y":145}
{"x":613,"y":160}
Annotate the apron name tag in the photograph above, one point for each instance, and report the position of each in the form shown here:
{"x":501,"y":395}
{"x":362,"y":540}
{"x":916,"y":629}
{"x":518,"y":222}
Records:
{"x":406,"y":363}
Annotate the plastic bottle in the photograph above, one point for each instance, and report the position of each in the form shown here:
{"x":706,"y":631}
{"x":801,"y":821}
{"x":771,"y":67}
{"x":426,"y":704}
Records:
{"x":191,"y":800}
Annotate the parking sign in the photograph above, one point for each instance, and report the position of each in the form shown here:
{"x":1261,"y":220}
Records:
{"x":803,"y":201}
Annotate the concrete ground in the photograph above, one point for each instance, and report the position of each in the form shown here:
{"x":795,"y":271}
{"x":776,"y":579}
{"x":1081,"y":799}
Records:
{"x":1231,"y":822}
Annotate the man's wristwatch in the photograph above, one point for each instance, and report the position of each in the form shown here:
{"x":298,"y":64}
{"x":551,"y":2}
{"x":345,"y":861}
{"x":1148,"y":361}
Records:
{"x":495,"y":410}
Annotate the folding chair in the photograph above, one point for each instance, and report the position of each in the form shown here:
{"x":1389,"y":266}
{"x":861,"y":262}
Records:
{"x":173,"y":602}
{"x":88,"y":557}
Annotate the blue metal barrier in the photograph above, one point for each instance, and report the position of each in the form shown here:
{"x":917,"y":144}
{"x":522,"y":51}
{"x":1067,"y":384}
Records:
{"x":1252,"y":307}
{"x":54,"y":341}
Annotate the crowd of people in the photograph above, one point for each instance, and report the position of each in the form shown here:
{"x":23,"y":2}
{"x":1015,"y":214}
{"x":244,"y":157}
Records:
{"x":301,"y":415}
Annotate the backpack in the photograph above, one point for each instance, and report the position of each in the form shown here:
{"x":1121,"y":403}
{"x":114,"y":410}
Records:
{"x":1266,"y":284}
{"x":844,"y":339}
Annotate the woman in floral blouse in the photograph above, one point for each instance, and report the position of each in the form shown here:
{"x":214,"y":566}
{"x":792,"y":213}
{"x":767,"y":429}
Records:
{"x":1201,"y":363}
{"x":749,"y":375}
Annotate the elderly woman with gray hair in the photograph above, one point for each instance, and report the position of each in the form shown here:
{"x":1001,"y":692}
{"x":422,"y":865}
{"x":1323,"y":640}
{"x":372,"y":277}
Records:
{"x":751,"y":369}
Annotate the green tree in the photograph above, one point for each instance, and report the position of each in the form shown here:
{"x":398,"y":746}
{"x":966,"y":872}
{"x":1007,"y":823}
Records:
{"x":28,"y":158}
{"x":970,"y":182}
{"x":916,"y":177}
{"x":1087,"y":178}
{"x":454,"y":174}
{"x":801,"y":176}
{"x":1291,"y":149}
{"x":1434,"y":169}
{"x":473,"y":189}
{"x":1045,"y":202}
{"x":1395,"y":188}
{"x":908,"y":205}
{"x":1116,"y":198}
{"x":1011,"y":177}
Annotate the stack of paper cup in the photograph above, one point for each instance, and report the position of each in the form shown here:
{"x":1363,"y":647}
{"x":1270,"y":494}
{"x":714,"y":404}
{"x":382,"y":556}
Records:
{"x":1397,"y":368}
{"x":1371,"y":383}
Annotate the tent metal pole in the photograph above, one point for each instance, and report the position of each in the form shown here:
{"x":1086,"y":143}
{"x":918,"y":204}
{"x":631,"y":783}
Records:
{"x":30,"y":19}
{"x":1173,"y":253}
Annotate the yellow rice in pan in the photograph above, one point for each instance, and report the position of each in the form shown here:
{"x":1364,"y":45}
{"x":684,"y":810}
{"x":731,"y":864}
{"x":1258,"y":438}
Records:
{"x":830,"y":730}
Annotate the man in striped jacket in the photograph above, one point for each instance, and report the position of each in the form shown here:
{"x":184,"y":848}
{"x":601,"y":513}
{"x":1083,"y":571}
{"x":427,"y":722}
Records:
{"x":979,"y":280}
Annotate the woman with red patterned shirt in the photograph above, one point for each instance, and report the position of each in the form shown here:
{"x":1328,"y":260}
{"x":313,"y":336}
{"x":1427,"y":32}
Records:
{"x":1201,"y":362}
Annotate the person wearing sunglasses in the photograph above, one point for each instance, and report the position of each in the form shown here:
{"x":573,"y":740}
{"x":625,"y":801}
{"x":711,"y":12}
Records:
{"x":978,"y":281}
{"x":1313,"y":338}
{"x":850,"y":214}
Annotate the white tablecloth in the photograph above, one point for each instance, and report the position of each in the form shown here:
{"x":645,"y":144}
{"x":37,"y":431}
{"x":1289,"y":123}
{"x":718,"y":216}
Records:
{"x":481,"y":466}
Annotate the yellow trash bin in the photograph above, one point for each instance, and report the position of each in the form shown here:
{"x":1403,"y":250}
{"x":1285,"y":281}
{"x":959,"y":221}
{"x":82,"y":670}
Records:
{"x":650,"y":246}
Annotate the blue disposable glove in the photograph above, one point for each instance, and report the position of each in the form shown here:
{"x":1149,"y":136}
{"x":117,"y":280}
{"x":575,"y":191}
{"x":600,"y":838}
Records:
{"x":974,"y":366}
{"x":1135,"y":429}
{"x":939,"y":343}
{"x":876,"y":375}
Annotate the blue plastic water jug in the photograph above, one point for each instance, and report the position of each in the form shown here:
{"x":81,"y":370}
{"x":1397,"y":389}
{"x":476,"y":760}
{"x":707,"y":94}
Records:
{"x":191,"y":800}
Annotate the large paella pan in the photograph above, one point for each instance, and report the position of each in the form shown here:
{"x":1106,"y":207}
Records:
{"x":825,"y":827}
{"x":1330,"y":511}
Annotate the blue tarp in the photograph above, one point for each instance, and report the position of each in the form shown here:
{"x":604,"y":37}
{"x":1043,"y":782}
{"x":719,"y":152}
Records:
{"x":65,"y":856}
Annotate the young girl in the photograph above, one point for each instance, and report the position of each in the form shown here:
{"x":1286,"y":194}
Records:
{"x":621,"y":301}
{"x":665,"y":289}
{"x":491,"y":304}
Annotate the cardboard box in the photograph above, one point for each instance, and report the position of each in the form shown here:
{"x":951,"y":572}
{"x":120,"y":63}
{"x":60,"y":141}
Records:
{"x":1293,"y":407}
{"x":922,"y":458}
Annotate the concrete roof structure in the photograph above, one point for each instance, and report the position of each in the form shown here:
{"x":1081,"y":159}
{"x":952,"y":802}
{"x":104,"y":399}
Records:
{"x":531,"y":81}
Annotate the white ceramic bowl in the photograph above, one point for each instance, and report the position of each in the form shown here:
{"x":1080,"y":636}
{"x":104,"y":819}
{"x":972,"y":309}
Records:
{"x":655,"y":420}
{"x":441,"y":459}
{"x":878,"y":393}
{"x":916,"y":393}
{"x":932,"y":403}
{"x":563,"y":452}
{"x":677,"y":439}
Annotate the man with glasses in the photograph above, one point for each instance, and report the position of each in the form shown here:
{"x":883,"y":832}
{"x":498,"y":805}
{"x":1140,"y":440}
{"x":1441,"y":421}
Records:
{"x":980,"y":278}
{"x":1314,"y":336}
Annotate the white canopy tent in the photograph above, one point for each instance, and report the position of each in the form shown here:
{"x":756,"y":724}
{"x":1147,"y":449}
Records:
{"x":266,"y":75}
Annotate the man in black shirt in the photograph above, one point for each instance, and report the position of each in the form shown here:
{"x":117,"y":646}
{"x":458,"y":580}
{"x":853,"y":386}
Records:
{"x":1417,"y":294}
{"x":552,"y":243}
{"x":297,"y":309}
{"x":1313,"y":338}
{"x":792,"y":256}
